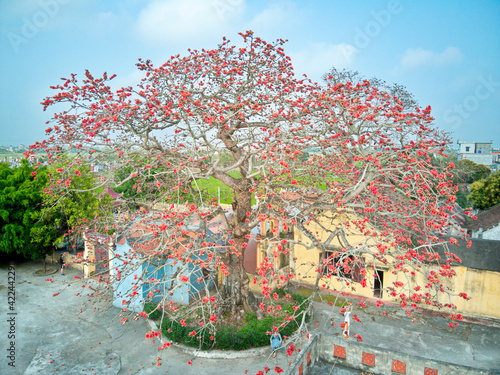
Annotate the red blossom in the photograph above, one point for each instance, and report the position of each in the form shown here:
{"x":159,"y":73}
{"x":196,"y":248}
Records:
{"x":369,"y":197}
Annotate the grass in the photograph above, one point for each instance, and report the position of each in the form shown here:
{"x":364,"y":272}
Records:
{"x":320,"y":296}
{"x":213,"y":188}
{"x":231,"y":334}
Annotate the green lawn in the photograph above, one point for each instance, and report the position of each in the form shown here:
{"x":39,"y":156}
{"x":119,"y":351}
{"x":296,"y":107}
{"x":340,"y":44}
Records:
{"x":215,"y":189}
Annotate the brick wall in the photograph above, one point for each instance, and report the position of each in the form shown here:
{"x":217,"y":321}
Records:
{"x":356,"y":355}
{"x":360,"y":356}
{"x":71,"y":260}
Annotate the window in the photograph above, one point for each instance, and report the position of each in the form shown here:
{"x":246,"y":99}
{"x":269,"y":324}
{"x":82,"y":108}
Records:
{"x":378,"y":284}
{"x":467,"y":148}
{"x":205,"y":273}
{"x":339,"y":265}
{"x":284,"y":260}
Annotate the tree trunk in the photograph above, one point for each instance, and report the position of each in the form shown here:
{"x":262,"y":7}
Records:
{"x":235,"y":291}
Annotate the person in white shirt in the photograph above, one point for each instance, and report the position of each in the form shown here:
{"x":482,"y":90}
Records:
{"x":347,"y":321}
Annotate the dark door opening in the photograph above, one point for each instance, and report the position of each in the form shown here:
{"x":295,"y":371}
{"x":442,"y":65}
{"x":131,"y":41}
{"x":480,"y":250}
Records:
{"x":378,"y":284}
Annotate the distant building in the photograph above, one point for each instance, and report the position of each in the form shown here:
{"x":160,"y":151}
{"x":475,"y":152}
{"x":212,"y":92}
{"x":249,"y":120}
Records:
{"x":478,"y":152}
{"x":487,"y":224}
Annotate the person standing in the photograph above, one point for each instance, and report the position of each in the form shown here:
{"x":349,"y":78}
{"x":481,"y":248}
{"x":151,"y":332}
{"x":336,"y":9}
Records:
{"x":61,"y":263}
{"x":347,"y":321}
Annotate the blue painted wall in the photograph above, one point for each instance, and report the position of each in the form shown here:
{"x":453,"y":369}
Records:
{"x":159,"y":278}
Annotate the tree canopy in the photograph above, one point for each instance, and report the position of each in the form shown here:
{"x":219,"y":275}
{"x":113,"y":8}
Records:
{"x":347,"y":164}
{"x":485,"y":193}
{"x":467,"y":171}
{"x":20,"y":200}
{"x":80,"y":200}
{"x":34,"y":221}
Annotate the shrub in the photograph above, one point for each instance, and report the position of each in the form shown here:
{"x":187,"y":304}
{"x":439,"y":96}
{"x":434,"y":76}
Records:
{"x":152,"y":311}
{"x":252,"y":334}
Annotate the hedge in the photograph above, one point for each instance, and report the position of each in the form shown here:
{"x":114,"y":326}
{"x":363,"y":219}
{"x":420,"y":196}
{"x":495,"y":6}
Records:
{"x":253,"y":334}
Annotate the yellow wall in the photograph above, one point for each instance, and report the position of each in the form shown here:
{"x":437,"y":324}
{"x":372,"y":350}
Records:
{"x":89,"y":253}
{"x":306,"y":258}
{"x":481,"y":286}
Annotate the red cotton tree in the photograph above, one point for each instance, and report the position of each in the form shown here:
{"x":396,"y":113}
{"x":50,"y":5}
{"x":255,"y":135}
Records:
{"x":345,"y":167}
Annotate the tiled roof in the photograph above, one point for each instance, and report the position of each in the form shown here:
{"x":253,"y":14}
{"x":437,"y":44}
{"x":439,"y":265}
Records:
{"x":481,"y":255}
{"x":98,"y":238}
{"x":114,"y":195}
{"x":487,"y":219}
{"x":140,"y":236}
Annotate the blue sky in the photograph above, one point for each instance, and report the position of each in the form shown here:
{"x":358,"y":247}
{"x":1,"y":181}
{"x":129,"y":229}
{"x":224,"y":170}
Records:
{"x":447,"y":53}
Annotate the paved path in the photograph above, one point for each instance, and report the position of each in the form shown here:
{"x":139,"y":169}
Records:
{"x":64,"y":334}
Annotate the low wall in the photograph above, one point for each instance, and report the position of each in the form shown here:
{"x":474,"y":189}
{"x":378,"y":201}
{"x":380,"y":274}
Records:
{"x":71,"y":260}
{"x":357,"y":355}
{"x":307,"y":357}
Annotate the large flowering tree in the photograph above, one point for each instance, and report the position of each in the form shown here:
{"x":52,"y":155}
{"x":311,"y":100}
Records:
{"x":327,"y":161}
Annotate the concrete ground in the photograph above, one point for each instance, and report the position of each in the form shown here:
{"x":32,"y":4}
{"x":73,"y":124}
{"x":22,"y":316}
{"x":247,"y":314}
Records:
{"x":474,"y":344}
{"x":65,"y":334}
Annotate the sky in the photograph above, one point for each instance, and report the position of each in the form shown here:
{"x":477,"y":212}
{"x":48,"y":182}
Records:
{"x":447,"y":53}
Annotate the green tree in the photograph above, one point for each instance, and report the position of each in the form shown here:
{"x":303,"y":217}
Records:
{"x":485,"y":193}
{"x":80,"y":201}
{"x":467,"y":171}
{"x":20,"y":201}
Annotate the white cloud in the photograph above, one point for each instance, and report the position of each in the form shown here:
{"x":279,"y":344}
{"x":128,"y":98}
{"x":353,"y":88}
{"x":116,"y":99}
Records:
{"x":110,"y":22}
{"x":275,"y":16}
{"x":164,"y":21}
{"x":450,"y":55}
{"x":414,"y":58}
{"x":318,"y":58}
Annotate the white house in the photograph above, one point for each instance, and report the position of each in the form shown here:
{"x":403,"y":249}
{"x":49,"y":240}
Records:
{"x":478,"y":152}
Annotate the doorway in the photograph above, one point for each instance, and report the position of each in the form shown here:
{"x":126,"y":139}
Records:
{"x":378,"y":284}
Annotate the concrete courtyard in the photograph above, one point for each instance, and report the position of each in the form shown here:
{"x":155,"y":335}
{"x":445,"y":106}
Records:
{"x":67,"y":334}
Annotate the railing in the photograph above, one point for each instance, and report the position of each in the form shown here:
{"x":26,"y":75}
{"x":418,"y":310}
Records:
{"x":306,"y":358}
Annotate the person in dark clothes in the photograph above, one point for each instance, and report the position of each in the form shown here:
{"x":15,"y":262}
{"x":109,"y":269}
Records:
{"x":61,"y":263}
